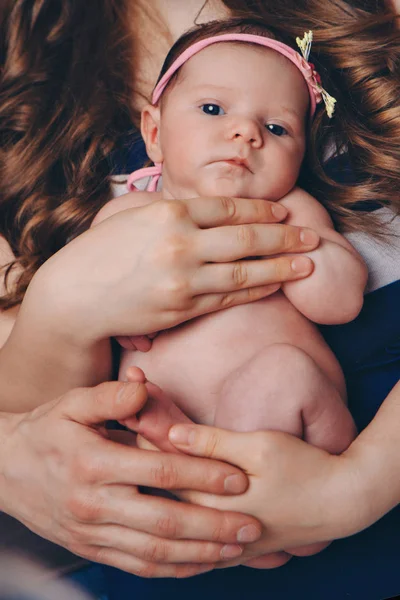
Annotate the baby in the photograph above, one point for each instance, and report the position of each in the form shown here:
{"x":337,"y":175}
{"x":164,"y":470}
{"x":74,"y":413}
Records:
{"x":230,"y":117}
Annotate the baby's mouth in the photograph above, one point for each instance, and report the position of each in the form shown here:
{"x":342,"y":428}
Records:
{"x":237,"y":161}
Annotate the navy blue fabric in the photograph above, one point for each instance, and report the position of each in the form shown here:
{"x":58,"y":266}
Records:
{"x":363,"y":567}
{"x":130,"y":156}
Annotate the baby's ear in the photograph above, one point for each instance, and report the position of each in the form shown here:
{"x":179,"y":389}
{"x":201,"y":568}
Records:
{"x":150,"y":128}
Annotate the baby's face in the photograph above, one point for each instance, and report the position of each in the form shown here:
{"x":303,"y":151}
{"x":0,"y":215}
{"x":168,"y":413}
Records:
{"x":234,"y":124}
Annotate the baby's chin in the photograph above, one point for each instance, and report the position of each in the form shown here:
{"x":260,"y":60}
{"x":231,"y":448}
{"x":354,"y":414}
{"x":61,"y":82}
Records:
{"x":226,"y":187}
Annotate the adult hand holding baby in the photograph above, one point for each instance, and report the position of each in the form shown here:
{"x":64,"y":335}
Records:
{"x":190,"y":256}
{"x":82,"y":488}
{"x":139,"y":271}
{"x":333,"y":504}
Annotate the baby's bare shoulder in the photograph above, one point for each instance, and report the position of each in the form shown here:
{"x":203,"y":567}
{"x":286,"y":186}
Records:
{"x":124,"y":202}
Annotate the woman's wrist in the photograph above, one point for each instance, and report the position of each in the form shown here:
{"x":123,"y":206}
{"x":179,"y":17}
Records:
{"x":59,"y":307}
{"x":45,"y":354}
{"x":359,"y":490}
{"x":8,"y":423}
{"x":377,"y":469}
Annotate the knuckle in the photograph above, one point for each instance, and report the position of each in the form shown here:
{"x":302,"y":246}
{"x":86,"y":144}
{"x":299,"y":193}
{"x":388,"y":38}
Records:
{"x":211,"y":445}
{"x":172,"y":210}
{"x":254,"y":294}
{"x":155,"y":551}
{"x":228,"y":206}
{"x":218,"y":533}
{"x":282,"y":268}
{"x":146,"y":570}
{"x":247,"y":237}
{"x":84,"y":508}
{"x":263,"y":210}
{"x":266,"y":448}
{"x":227,"y":300}
{"x":86,"y":467}
{"x":290,"y":237}
{"x":240,"y":274}
{"x":176,"y":291}
{"x":167,"y":527}
{"x":175,"y":250}
{"x":165,"y":476}
{"x":98,"y":554}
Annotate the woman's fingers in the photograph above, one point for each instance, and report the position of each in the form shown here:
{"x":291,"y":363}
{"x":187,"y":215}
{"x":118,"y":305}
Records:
{"x":105,"y":402}
{"x":131,"y":564}
{"x":207,"y":303}
{"x":122,"y":465}
{"x":250,"y":273}
{"x":213,"y":212}
{"x":225,"y":244}
{"x":166,"y":518}
{"x":162,"y":550}
{"x":212,"y":442}
{"x":268,"y":561}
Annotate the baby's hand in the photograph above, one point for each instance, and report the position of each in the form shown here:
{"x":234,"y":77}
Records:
{"x":142,"y":343}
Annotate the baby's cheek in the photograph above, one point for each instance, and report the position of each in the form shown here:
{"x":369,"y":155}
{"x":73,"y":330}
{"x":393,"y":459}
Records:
{"x":287,"y":170}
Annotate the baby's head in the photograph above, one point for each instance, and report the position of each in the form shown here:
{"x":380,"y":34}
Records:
{"x":232,"y":120}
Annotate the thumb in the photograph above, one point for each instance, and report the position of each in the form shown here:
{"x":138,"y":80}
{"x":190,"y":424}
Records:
{"x":110,"y":401}
{"x":211,"y":442}
{"x":156,"y":418}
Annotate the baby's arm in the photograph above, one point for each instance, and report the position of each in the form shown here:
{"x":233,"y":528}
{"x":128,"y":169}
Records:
{"x":333,"y":293}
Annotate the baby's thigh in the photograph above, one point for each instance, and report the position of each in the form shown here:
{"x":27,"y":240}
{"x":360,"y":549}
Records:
{"x":282,"y":388}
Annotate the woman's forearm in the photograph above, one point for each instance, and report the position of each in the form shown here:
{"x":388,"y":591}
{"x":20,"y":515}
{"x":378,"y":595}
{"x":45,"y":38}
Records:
{"x":43,"y":357}
{"x":376,"y":452}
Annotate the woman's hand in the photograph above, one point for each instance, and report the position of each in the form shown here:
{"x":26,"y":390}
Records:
{"x":63,"y":477}
{"x":150,"y":268}
{"x":301,"y":494}
{"x":140,"y":271}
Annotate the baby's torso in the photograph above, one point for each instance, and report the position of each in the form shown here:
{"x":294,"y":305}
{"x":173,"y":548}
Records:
{"x":192,"y":362}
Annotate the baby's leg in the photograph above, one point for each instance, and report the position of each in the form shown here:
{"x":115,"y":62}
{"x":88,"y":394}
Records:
{"x":282,"y":388}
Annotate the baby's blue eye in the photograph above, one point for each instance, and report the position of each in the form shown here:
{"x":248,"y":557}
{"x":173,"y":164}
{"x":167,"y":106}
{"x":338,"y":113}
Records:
{"x":212,"y":109}
{"x":277,"y":129}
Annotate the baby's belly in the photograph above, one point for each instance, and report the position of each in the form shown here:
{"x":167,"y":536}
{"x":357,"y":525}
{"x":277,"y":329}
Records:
{"x":192,"y":362}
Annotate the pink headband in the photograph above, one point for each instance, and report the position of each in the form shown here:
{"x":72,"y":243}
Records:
{"x":312,"y":79}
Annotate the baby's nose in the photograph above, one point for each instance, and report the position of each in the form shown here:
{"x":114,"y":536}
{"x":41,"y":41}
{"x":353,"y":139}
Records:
{"x":247,"y":130}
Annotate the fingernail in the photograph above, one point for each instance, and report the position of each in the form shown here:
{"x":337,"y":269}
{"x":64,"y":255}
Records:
{"x":248,"y":533}
{"x":301,"y":265}
{"x":279,"y":211}
{"x":231,"y":551}
{"x":182,"y":435}
{"x":234,"y":484}
{"x":309,"y":237}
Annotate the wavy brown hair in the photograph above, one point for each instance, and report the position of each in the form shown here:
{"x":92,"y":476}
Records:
{"x":65,"y":74}
{"x":64,"y":106}
{"x":357,"y":50}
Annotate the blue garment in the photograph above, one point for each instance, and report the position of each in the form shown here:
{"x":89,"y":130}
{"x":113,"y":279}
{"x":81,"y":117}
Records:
{"x":363,"y":567}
